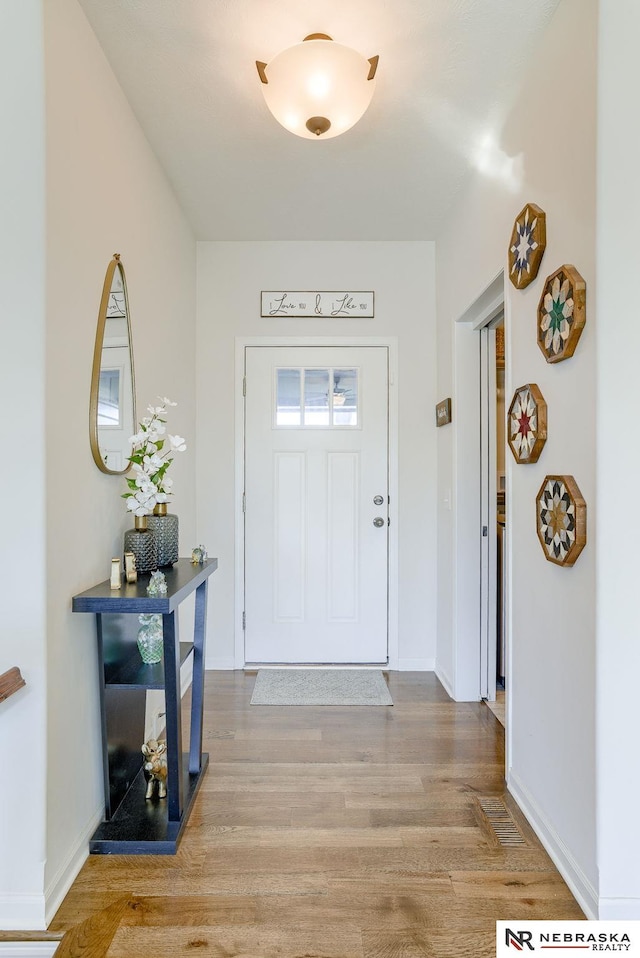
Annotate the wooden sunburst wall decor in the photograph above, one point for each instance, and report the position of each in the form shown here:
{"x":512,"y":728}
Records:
{"x":561,"y":519}
{"x":527,"y":424}
{"x":562,"y":313}
{"x":528,"y":241}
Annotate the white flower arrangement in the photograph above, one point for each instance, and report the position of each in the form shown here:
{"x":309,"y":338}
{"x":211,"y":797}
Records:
{"x":151,"y":456}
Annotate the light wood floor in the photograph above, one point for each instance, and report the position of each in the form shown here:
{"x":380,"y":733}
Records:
{"x":499,"y":707}
{"x":342,"y":832}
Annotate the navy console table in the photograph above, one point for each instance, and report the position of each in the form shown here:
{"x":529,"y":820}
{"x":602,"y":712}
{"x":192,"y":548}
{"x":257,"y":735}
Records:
{"x":134,"y":825}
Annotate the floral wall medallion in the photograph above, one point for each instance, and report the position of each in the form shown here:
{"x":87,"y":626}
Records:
{"x":527,"y":423}
{"x":528,"y":241}
{"x":562,"y":314}
{"x":561,"y":519}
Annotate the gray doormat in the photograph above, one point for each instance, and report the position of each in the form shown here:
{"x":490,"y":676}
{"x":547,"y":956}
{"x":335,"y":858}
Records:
{"x":320,"y":687}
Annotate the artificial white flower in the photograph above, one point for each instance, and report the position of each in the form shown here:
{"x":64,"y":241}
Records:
{"x":166,"y":402}
{"x":150,"y":460}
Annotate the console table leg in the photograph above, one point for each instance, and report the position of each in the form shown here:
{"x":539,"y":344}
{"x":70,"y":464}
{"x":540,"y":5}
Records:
{"x":175,"y":790}
{"x":197,"y":691}
{"x":103,"y":721}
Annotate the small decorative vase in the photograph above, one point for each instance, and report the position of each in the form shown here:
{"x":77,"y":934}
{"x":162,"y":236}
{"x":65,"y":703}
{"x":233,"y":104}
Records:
{"x":165,"y":527}
{"x":150,"y":638}
{"x":144,"y":545}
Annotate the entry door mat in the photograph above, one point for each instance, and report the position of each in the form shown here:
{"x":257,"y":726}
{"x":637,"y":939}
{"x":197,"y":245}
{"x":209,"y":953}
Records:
{"x":320,"y":687}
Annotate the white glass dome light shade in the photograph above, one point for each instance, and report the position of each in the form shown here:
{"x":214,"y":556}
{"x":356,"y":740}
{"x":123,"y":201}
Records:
{"x":318,"y":89}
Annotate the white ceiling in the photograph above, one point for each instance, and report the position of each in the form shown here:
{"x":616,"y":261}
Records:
{"x":448,"y":72}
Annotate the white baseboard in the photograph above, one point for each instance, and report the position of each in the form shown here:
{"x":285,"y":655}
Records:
{"x":324,"y":666}
{"x":21,"y":912}
{"x":404,"y":665}
{"x":28,"y":949}
{"x":582,"y":889}
{"x":227,"y":664}
{"x":66,"y":875}
{"x":416,"y":665}
{"x":446,"y":682}
{"x":619,"y":909}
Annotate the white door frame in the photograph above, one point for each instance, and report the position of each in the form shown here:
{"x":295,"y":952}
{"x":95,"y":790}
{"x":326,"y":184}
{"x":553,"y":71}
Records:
{"x":488,"y":511}
{"x":465,"y":685}
{"x":241,"y":343}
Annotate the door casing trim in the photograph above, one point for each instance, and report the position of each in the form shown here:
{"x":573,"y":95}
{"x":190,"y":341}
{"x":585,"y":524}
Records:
{"x":241,"y":343}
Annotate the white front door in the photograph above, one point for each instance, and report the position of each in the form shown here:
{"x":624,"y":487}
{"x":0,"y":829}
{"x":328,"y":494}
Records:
{"x":316,"y":504}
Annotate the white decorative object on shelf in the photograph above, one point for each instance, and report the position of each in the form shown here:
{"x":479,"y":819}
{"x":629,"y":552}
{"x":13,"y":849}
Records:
{"x":115,"y":574}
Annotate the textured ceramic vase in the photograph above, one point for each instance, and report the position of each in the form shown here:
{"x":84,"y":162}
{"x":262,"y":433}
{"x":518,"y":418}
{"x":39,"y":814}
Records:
{"x":144,"y":545}
{"x":165,"y":528}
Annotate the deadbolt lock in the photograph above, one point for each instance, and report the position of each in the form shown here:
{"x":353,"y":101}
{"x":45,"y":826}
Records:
{"x":378,"y":500}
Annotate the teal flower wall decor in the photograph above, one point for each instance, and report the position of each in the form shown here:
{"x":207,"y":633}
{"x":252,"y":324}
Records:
{"x":562,"y":314}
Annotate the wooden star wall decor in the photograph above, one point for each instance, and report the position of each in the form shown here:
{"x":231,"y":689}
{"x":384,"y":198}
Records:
{"x":528,"y":242}
{"x":561,"y":519}
{"x":527,"y":424}
{"x":562,"y":314}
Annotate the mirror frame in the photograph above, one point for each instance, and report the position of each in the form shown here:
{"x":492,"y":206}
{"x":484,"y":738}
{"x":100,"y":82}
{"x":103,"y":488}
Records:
{"x":97,"y":363}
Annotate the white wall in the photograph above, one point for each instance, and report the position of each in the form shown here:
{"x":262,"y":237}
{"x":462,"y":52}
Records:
{"x":545,"y":153}
{"x":106,"y":193}
{"x":23,"y":758}
{"x":618,"y":616}
{"x":230,"y":278}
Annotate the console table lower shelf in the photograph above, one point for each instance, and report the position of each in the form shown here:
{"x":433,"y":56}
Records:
{"x":134,"y":825}
{"x":141,"y":826}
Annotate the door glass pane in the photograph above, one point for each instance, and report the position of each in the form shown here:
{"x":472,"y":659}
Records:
{"x":345,"y":397}
{"x":288,"y":411}
{"x":316,"y":397}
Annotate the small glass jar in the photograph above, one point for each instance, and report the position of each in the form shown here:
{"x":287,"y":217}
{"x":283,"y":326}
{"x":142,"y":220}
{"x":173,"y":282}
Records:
{"x":150,"y":643}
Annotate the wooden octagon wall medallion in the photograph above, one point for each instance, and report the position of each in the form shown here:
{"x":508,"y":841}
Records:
{"x":562,"y":313}
{"x":527,"y":424}
{"x":528,"y":241}
{"x":561,"y":515}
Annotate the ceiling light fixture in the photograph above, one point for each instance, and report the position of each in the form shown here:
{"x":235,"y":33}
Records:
{"x":318,"y":88}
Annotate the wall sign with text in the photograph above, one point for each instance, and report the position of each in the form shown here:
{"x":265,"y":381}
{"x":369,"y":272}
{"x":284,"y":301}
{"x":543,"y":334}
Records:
{"x":328,"y":305}
{"x":443,"y":412}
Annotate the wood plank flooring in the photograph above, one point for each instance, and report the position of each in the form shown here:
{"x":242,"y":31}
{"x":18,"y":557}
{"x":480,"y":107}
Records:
{"x":342,"y":832}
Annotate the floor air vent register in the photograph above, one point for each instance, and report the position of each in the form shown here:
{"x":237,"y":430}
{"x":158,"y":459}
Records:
{"x":502,"y":823}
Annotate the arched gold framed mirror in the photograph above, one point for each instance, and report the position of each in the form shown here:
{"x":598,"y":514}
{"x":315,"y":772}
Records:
{"x":112,"y":406}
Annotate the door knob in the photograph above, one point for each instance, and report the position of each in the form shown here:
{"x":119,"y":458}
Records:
{"x":378,"y":500}
{"x":378,"y":522}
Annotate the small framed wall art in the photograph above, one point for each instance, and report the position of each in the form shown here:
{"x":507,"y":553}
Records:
{"x":527,"y":424}
{"x":443,"y":412}
{"x":562,"y":313}
{"x":561,"y":516}
{"x":528,"y":242}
